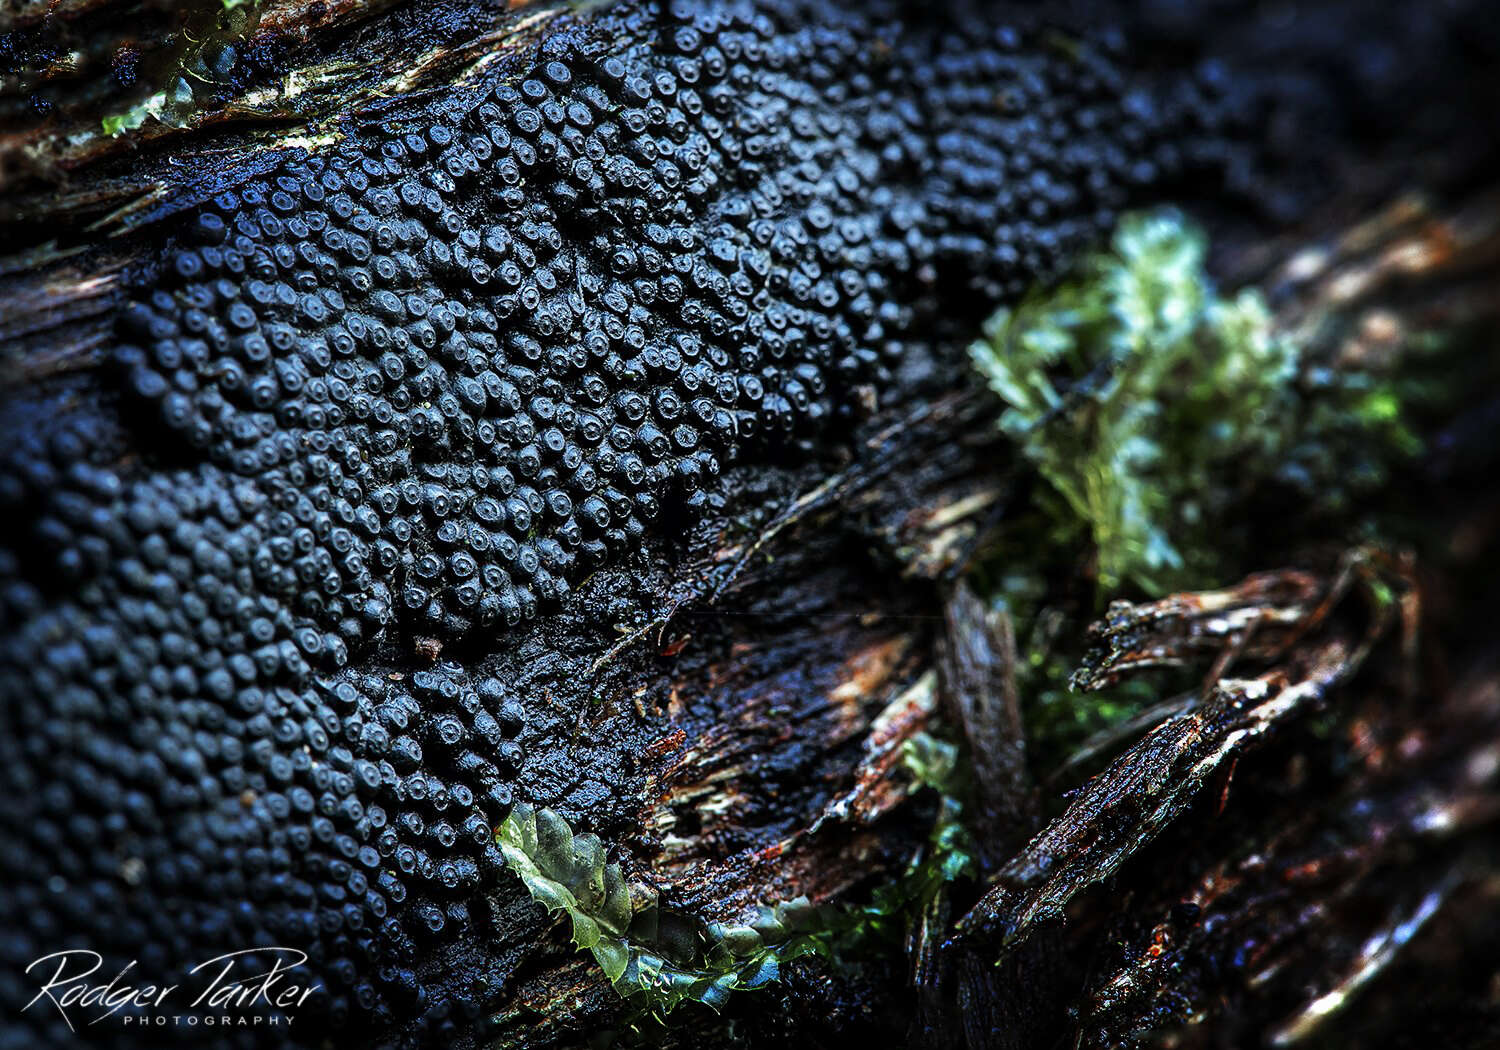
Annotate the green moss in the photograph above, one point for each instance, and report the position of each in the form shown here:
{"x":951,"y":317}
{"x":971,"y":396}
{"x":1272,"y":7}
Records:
{"x":1133,"y":388}
{"x":658,"y":959}
{"x":886,"y":922}
{"x":1050,"y":641}
{"x":1039,"y":570}
{"x":654,"y":958}
{"x":1168,"y":425}
{"x":135,"y":116}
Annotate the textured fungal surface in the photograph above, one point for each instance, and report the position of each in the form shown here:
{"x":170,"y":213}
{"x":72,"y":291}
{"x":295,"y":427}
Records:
{"x":302,"y":586}
{"x":496,"y":342}
{"x":420,"y":384}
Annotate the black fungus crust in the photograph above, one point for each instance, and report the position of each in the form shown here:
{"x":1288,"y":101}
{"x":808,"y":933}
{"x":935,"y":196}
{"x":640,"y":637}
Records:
{"x":422,"y":385}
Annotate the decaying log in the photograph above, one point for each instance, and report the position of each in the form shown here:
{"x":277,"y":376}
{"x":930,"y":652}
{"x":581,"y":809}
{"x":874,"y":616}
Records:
{"x":1241,"y":855}
{"x":1306,"y":829}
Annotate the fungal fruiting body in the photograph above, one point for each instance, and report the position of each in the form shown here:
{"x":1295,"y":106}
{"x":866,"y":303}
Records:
{"x":417,"y":384}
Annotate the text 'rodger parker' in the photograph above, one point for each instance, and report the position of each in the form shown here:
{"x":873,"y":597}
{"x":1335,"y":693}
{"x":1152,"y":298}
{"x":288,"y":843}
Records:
{"x":230,"y":986}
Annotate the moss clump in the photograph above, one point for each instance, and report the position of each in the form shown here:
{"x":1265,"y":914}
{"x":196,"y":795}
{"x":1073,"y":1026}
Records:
{"x":658,"y":959}
{"x":1154,"y":406}
{"x":1157,"y":413}
{"x":1133,"y":387}
{"x":653,"y":957}
{"x":886,"y":921}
